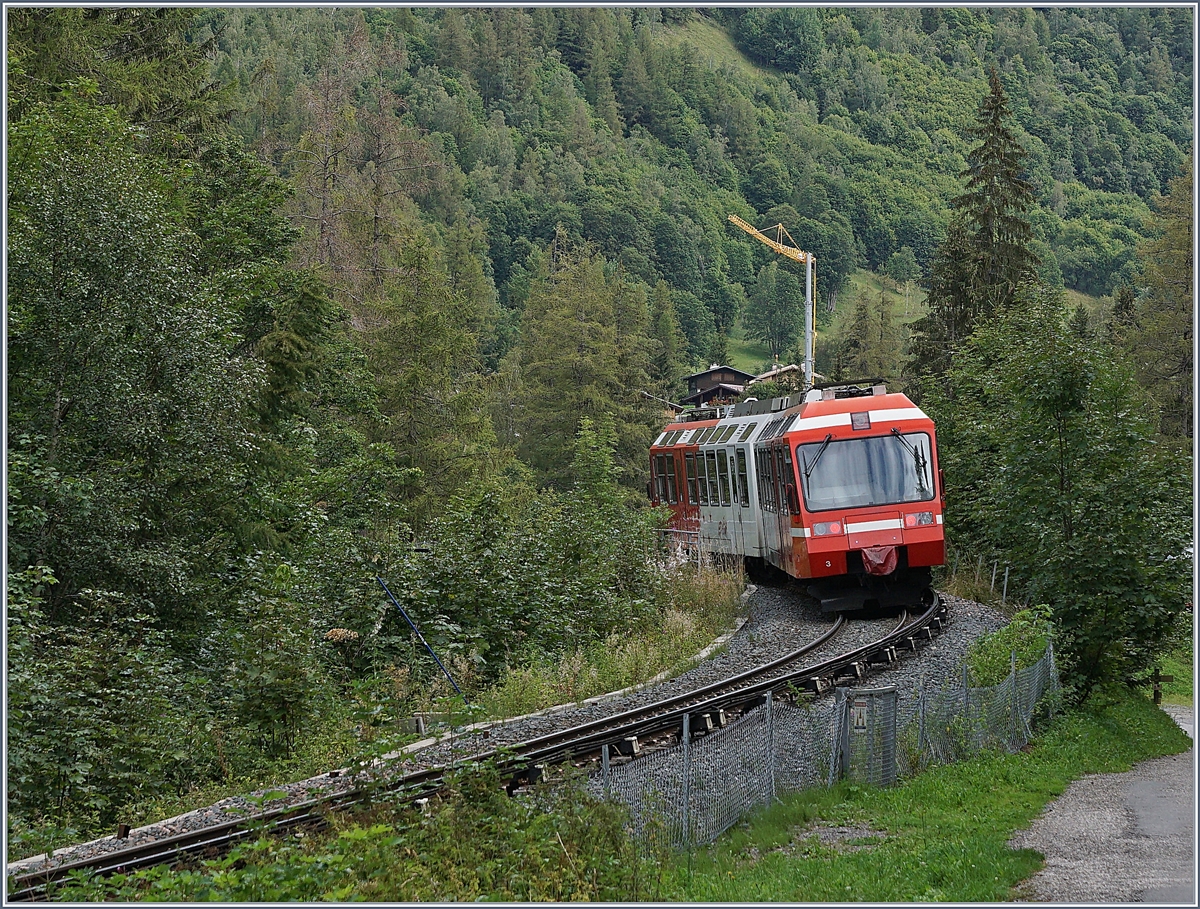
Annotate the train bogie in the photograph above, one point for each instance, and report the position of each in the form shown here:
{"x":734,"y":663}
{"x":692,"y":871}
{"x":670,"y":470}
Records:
{"x":841,"y":490}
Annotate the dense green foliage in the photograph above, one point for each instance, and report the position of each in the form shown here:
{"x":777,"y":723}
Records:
{"x":1050,"y":447}
{"x":1046,"y":437}
{"x":299,"y":298}
{"x":477,"y":843}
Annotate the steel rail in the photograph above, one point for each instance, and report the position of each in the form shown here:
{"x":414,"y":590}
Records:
{"x":668,"y":714}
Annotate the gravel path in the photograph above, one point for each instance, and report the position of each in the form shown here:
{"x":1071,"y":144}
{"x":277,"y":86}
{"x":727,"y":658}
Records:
{"x":777,"y":622}
{"x":1120,"y":837}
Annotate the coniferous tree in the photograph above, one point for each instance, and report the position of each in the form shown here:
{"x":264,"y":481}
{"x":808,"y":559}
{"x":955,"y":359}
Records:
{"x":994,"y":204}
{"x":667,"y":360}
{"x":986,"y":257}
{"x":583,"y":354}
{"x":430,"y":394}
{"x":1160,"y":339}
{"x":143,"y":62}
{"x":871,"y":347}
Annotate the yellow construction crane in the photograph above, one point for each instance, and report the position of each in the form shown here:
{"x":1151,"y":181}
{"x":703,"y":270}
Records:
{"x":809,"y":261}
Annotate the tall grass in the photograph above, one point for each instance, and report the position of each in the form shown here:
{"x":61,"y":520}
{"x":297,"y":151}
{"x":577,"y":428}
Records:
{"x":703,"y":603}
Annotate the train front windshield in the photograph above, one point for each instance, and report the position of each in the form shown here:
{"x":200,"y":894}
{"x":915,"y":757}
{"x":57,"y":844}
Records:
{"x":856,"y":473}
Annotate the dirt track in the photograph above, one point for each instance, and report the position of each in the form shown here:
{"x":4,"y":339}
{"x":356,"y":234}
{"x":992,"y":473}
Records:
{"x":1120,"y":837}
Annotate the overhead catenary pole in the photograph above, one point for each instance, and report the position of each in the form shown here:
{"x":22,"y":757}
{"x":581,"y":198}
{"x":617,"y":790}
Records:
{"x":810,"y":279}
{"x":809,"y":318}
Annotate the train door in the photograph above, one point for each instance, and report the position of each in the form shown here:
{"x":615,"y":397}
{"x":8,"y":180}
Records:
{"x":718,"y":495}
{"x":742,"y":467}
{"x":745,"y":516}
{"x":736,"y":536}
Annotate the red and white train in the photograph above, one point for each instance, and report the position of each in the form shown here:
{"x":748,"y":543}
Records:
{"x":839,"y":487}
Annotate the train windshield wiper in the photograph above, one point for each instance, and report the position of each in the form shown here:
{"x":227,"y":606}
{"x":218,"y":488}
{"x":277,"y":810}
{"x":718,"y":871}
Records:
{"x":808,"y":468}
{"x":918,"y":459}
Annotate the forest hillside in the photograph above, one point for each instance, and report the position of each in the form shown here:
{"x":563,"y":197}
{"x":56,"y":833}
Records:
{"x":300,"y":298}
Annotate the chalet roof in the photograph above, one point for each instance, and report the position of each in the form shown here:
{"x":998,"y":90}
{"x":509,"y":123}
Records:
{"x":711,"y":392}
{"x":715,"y":368}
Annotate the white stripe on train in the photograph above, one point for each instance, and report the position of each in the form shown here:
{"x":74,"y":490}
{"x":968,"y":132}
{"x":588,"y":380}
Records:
{"x":843,"y":419}
{"x":861,"y":527}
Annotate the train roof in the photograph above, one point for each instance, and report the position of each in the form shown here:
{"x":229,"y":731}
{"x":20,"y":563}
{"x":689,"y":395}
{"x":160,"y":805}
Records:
{"x":758,"y":421}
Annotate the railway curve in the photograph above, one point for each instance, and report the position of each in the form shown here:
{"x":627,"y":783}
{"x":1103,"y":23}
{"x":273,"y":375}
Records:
{"x":581,"y":739}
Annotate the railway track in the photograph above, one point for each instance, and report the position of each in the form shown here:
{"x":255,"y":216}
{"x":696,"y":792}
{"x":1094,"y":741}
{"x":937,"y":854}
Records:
{"x":708,"y":707}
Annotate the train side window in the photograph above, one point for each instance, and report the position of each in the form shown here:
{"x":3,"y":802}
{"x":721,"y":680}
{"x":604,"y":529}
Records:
{"x":791,"y":502}
{"x":733,"y":480}
{"x":785,"y":477}
{"x":768,"y":469}
{"x":742,"y":477}
{"x":702,"y":477}
{"x":780,"y":482}
{"x":690,"y":467}
{"x":776,"y":481}
{"x":723,"y":476}
{"x":714,"y":495}
{"x":672,"y":482}
{"x":763,"y":481}
{"x":764,"y":478}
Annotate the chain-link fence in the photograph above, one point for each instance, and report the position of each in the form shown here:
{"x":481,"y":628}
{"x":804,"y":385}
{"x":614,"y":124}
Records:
{"x":691,"y":793}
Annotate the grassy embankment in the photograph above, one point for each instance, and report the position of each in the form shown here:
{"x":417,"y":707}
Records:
{"x":940,"y":836}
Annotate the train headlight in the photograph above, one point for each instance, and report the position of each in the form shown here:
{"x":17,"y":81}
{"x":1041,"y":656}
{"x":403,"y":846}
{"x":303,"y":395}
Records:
{"x":827,"y":527}
{"x":918,"y":520}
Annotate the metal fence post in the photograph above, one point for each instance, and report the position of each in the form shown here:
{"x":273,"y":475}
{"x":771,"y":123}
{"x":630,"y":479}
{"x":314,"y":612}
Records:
{"x":995,"y":565}
{"x":1054,"y":674}
{"x":921,"y":720}
{"x":687,"y":779}
{"x":607,"y":777}
{"x":841,"y":746}
{"x":970,"y":726}
{"x":1004,"y":594}
{"x":1015,"y":701}
{"x":770,"y":750}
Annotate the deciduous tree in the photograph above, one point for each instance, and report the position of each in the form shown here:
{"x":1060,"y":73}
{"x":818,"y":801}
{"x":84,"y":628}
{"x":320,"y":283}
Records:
{"x":1049,"y":448}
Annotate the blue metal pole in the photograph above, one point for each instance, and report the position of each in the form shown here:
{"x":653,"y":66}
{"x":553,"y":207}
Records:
{"x":417,"y":632}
